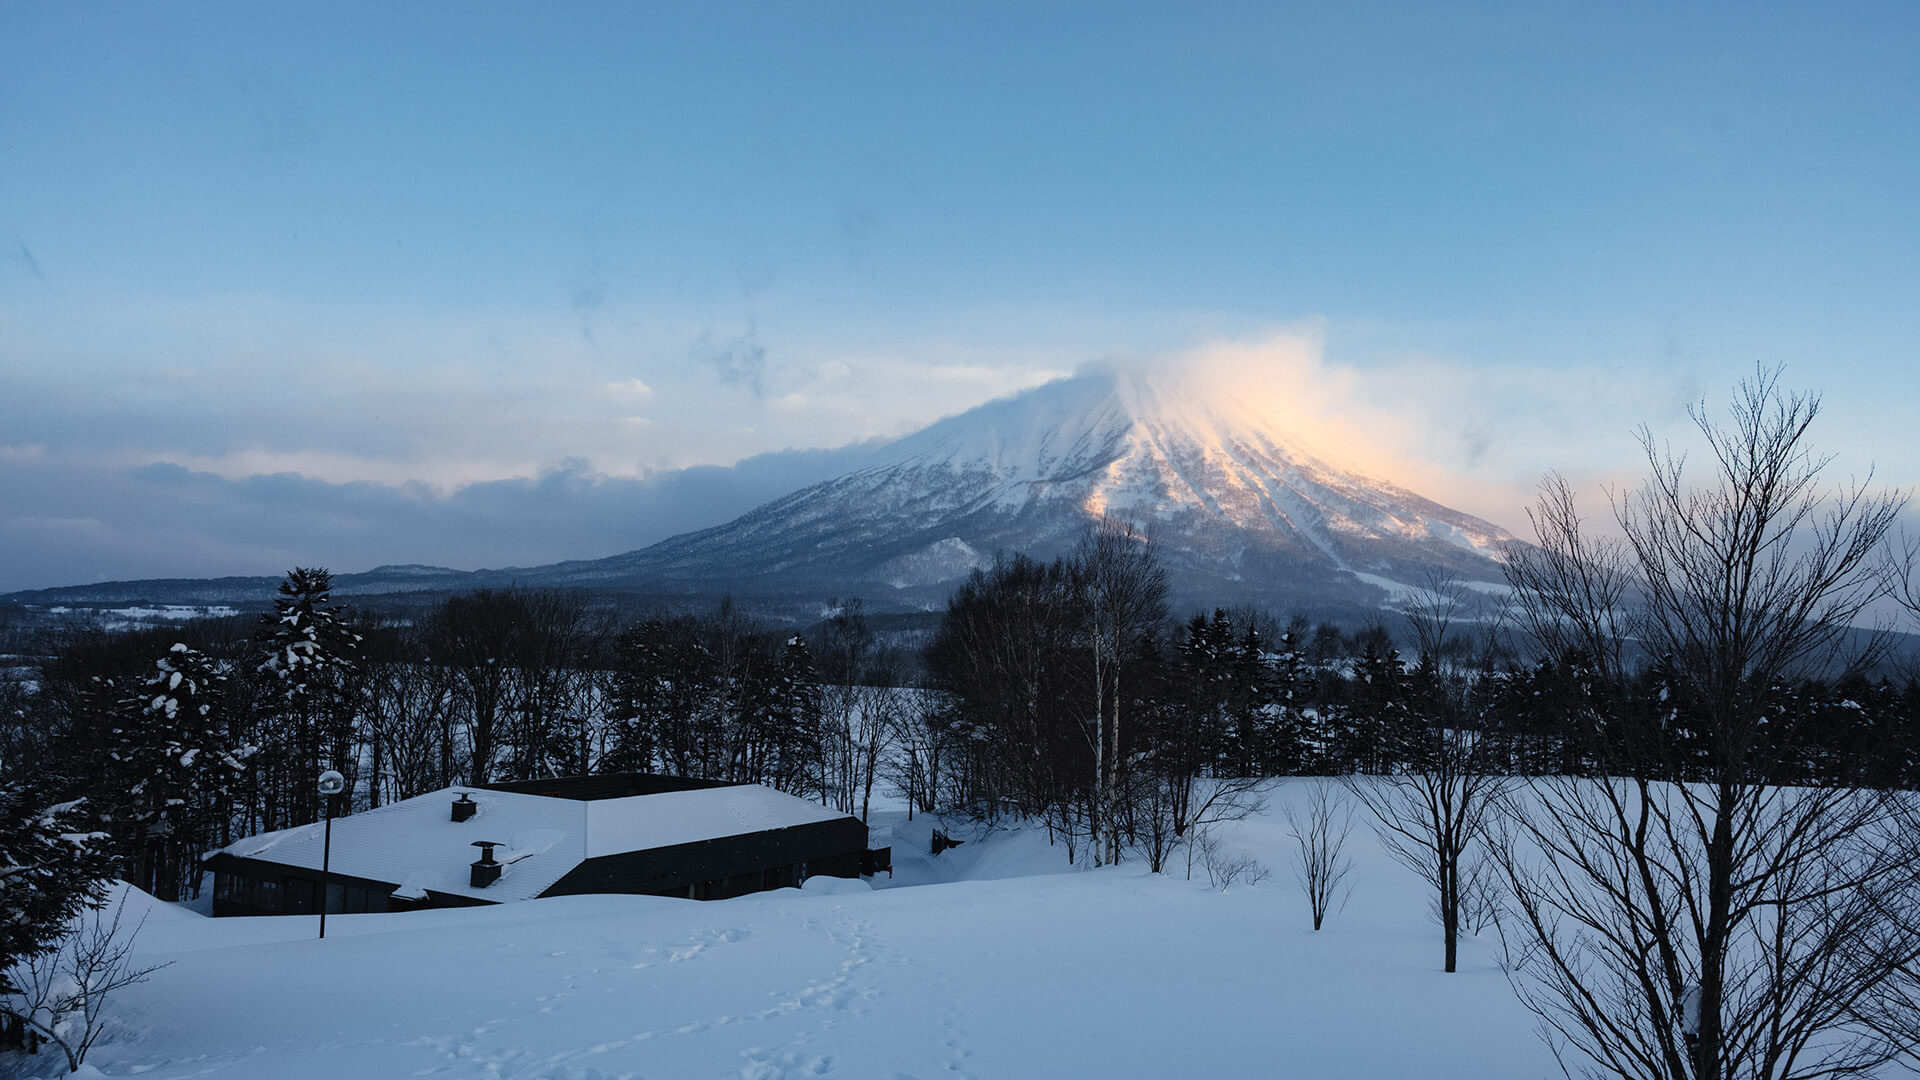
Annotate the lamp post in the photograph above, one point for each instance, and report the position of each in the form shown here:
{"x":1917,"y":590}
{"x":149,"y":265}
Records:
{"x":331,"y":784}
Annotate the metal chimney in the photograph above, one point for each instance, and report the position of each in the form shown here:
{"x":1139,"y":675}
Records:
{"x":464,"y":807}
{"x":485,"y":870}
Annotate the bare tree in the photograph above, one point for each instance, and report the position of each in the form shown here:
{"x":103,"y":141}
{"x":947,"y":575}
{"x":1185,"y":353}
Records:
{"x":1154,"y":815}
{"x":860,"y":707}
{"x":1163,"y":813}
{"x":921,"y":735}
{"x":412,"y":712}
{"x":474,"y":637}
{"x":876,"y":726}
{"x":1483,"y":897}
{"x":1320,"y":829}
{"x":860,"y":726}
{"x":1210,"y":803}
{"x":1734,"y":926}
{"x":63,"y":993}
{"x":1442,"y":600}
{"x":1434,"y":818}
{"x":1612,"y":885}
{"x":1226,"y":868}
{"x":547,"y":693}
{"x":1005,"y":656}
{"x":1571,"y":586}
{"x":1433,"y":815}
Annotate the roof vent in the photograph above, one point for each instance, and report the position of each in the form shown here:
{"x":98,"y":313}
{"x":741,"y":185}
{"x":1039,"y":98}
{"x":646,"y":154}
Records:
{"x":485,"y":870}
{"x":464,"y":807}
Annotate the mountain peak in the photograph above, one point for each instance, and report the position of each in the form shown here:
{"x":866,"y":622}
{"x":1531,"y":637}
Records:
{"x":1154,"y":445}
{"x":1242,"y":507}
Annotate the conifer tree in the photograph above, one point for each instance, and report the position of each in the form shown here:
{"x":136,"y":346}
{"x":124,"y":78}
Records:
{"x":787,"y":721}
{"x":1253,"y":705}
{"x":1208,"y":679}
{"x":174,"y":761}
{"x":1291,"y":691}
{"x":308,"y":652}
{"x":51,"y":868}
{"x":1378,"y":709}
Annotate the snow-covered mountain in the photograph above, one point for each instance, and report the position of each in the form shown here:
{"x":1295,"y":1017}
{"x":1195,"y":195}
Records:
{"x":1240,"y":509}
{"x":1243,"y":510}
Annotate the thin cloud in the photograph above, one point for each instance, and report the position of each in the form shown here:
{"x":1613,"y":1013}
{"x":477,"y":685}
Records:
{"x":627,"y":390}
{"x":739,"y":360}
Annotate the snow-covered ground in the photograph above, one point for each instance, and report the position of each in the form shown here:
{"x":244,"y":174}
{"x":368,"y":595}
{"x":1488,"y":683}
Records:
{"x":993,"y":960}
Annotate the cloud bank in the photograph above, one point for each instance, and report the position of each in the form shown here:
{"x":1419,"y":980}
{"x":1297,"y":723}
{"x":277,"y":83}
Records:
{"x":241,"y":435}
{"x":73,"y":525}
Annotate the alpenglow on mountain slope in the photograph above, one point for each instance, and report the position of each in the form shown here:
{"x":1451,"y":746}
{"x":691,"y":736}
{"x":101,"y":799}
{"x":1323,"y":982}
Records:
{"x":1240,"y":509}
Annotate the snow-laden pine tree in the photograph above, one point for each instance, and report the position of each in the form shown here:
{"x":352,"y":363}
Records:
{"x":308,"y":653}
{"x":175,"y":760}
{"x":785,"y":709}
{"x":51,"y":867}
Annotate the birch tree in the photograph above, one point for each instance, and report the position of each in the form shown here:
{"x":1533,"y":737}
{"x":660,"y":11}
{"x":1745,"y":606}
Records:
{"x":1125,"y":591}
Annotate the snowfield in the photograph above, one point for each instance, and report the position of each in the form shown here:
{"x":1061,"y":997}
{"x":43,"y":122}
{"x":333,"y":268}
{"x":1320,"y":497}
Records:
{"x":994,"y":960}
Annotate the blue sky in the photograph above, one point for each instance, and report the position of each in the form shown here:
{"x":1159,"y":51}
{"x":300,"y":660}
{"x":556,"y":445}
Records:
{"x":468,"y":283}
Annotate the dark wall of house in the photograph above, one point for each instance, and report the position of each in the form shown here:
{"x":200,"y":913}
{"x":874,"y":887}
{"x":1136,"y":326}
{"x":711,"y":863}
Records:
{"x":609,"y":786}
{"x":727,"y":866}
{"x":253,"y":887}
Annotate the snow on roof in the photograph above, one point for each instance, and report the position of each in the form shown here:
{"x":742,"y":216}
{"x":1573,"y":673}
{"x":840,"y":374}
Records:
{"x":639,"y":822}
{"x":415,"y":843}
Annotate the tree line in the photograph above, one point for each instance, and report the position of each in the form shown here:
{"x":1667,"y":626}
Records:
{"x":1060,"y":692}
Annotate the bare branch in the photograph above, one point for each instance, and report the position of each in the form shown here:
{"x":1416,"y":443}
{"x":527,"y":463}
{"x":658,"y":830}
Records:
{"x":1321,"y":866}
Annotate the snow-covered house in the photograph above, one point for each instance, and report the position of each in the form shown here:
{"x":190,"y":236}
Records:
{"x":654,"y":835}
